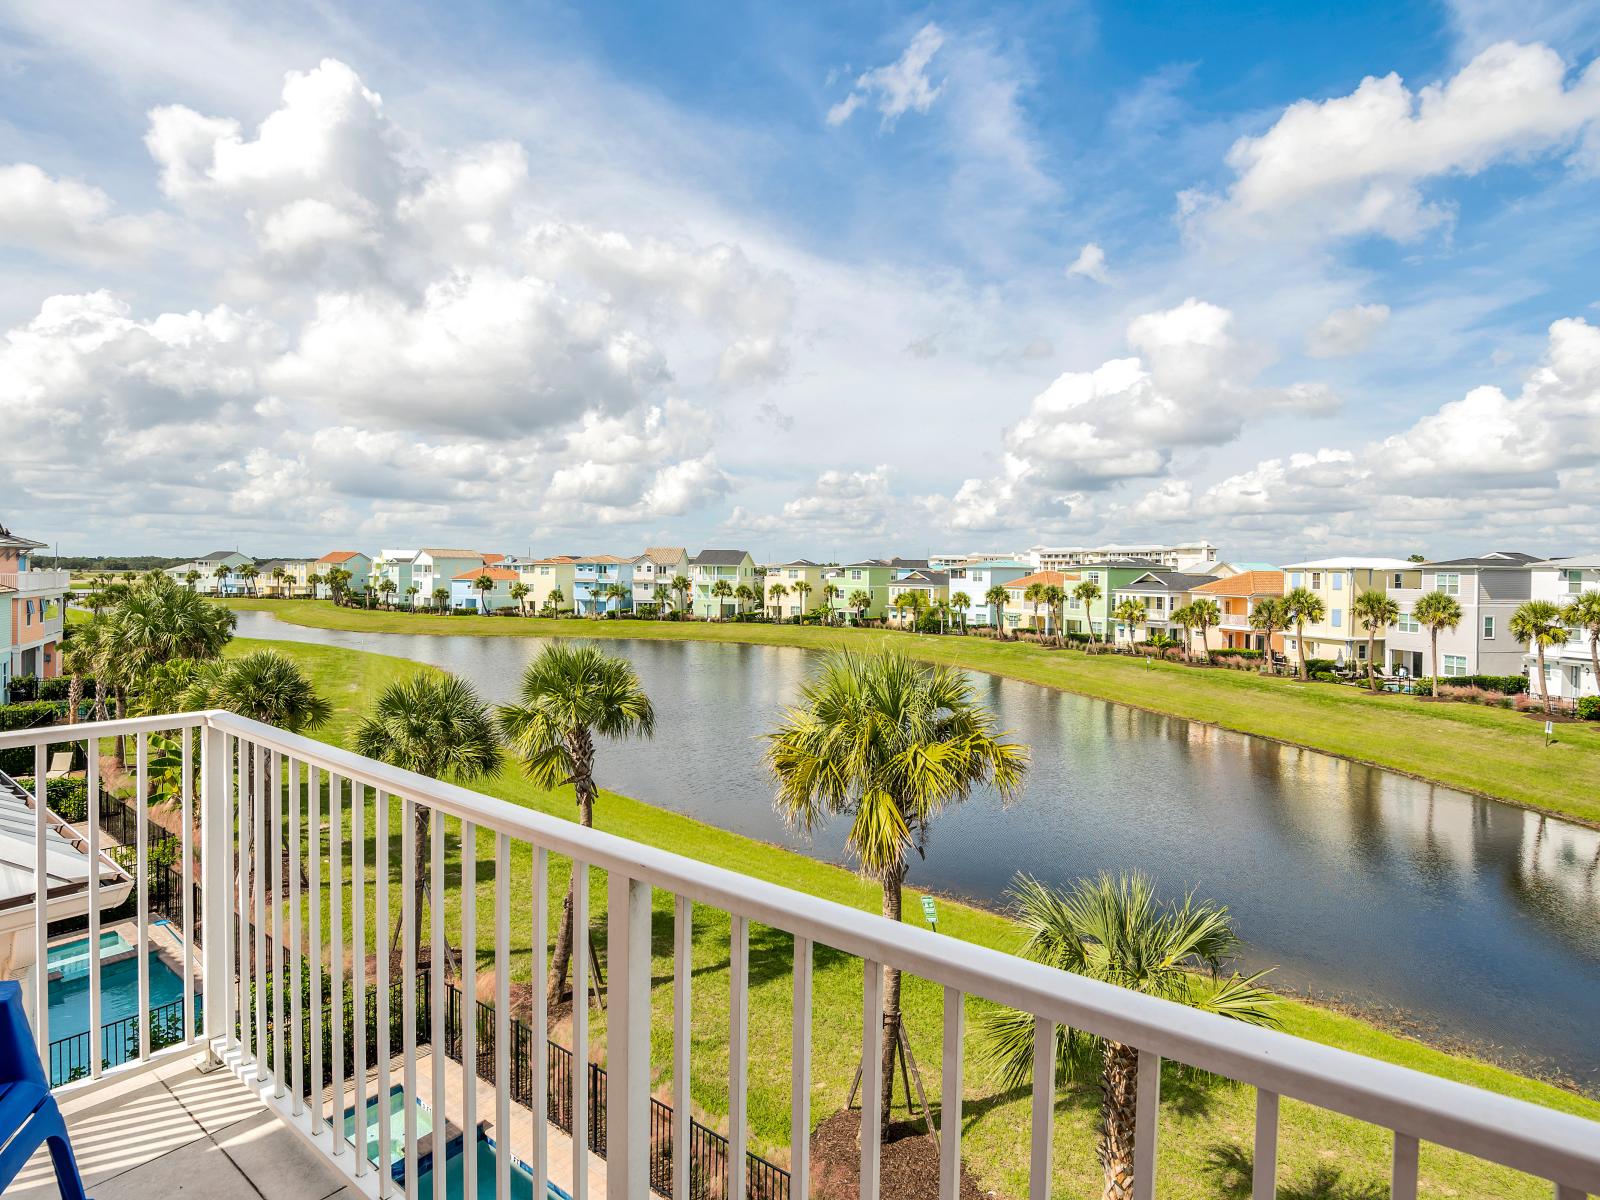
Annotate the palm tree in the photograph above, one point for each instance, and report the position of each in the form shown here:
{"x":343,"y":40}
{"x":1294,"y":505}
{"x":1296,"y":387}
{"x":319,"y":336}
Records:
{"x":412,"y":593}
{"x":960,"y":602}
{"x":157,"y":621}
{"x":830,"y":593}
{"x":262,"y":685}
{"x":1269,"y":616}
{"x":387,"y":589}
{"x":1117,"y":932}
{"x":888,"y":743}
{"x":1435,"y":611}
{"x":721,"y":590}
{"x":441,"y":598}
{"x":1376,"y":611}
{"x":435,"y":725}
{"x":1204,"y":614}
{"x":996,"y":598}
{"x":859,"y":602}
{"x":802,"y":590}
{"x":483,"y":585}
{"x":1302,"y":607}
{"x":77,"y":660}
{"x":248,"y":573}
{"x":681,"y":585}
{"x":315,"y":581}
{"x":570,"y":694}
{"x":1583,"y":613}
{"x":1538,"y":622}
{"x":279,"y":577}
{"x":663,"y":597}
{"x":621,"y":593}
{"x":1086,"y":593}
{"x":1034,"y":595}
{"x":775,"y":597}
{"x":1183,"y":618}
{"x":1055,"y":599}
{"x":191,"y":577}
{"x":519,"y":593}
{"x":221,"y":574}
{"x":745,"y":595}
{"x":556,"y":598}
{"x":1132,"y":612}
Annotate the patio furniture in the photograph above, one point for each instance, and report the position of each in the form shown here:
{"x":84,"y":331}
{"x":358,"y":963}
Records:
{"x":28,"y":1113}
{"x":60,"y":765}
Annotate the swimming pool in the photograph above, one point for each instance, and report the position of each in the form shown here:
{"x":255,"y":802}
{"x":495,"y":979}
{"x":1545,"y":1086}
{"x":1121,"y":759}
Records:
{"x":71,"y":959}
{"x":119,"y":1006}
{"x":454,"y":1167}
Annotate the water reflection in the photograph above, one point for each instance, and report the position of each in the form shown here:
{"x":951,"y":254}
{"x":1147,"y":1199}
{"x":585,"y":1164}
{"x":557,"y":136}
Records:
{"x":1471,"y":916}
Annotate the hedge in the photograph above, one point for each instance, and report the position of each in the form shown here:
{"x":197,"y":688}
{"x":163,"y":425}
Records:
{"x":1589,"y":708}
{"x":67,"y":798}
{"x":1506,"y":685}
{"x":1213,"y":655}
{"x":29,"y":715}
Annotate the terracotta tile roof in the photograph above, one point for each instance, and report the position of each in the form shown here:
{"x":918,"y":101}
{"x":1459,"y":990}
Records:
{"x":1246,"y":583}
{"x":494,"y":558}
{"x":1058,"y":579}
{"x":338,"y":556}
{"x":554,"y":559}
{"x":499,"y":574}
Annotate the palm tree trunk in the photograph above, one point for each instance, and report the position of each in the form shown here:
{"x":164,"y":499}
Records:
{"x":892,"y":881}
{"x":1544,"y":680}
{"x":1300,"y":644}
{"x":1434,"y":638}
{"x":1372,"y":679}
{"x":581,"y":747}
{"x":74,"y":697}
{"x":1594,"y":658}
{"x":1119,"y":1083}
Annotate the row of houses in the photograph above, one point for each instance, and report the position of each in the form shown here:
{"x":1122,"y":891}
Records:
{"x":716,"y":584}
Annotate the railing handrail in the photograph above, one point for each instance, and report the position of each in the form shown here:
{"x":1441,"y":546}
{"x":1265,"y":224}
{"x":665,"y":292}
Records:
{"x":1512,"y":1132}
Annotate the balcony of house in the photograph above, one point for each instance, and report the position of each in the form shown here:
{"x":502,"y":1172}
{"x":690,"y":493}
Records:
{"x":329,"y":1038}
{"x":35,"y":583}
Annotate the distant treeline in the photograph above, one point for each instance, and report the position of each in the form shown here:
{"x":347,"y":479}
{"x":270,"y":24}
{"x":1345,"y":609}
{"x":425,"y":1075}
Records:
{"x":108,"y":562}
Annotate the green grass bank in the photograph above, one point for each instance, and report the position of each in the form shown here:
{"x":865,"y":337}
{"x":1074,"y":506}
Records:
{"x":1205,"y":1121}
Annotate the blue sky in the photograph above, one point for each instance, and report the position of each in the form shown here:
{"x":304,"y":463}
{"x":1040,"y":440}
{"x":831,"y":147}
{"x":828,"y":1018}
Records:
{"x":825,"y":280}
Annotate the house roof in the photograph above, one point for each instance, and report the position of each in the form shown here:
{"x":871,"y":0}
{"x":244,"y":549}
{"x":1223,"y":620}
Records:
{"x":438,"y":552}
{"x":926,"y":578}
{"x":219,"y":555}
{"x":1168,"y":581}
{"x":1001,"y":564}
{"x":665,"y":556}
{"x":1245,"y":583}
{"x":498,"y":574}
{"x":1590,"y":559}
{"x":1354,"y":564}
{"x":67,"y":864}
{"x":1495,"y":558}
{"x":720,"y":558}
{"x":1047,"y":578}
{"x":13,"y":542}
{"x":340,"y":556}
{"x":492,"y":557}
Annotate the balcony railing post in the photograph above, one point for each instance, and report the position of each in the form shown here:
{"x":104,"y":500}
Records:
{"x":628,"y":1039}
{"x":216,"y":829}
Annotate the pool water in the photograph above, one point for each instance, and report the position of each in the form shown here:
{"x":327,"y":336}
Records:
{"x":396,"y":1117}
{"x":119,"y":994}
{"x":71,"y":959}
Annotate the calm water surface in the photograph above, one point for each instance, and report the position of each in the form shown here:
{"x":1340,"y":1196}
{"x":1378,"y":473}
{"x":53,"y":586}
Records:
{"x":1476,"y":919}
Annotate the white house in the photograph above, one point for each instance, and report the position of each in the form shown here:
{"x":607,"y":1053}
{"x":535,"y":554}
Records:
{"x":1488,"y":587}
{"x":1568,"y":668}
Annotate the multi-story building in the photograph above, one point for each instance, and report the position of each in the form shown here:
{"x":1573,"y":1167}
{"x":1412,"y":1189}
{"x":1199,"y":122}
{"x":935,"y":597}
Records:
{"x":1569,"y":667}
{"x":397,"y":566}
{"x":465,"y":593}
{"x":359,"y":566}
{"x":31,"y":617}
{"x":1108,"y":575}
{"x":1488,"y":588}
{"x":1022,"y":613}
{"x":1184,"y":556}
{"x":1337,"y":582}
{"x":974,"y":579}
{"x":1163,"y":593}
{"x":208,"y":579}
{"x":933,"y":586}
{"x":296,"y":583}
{"x":802,"y":584}
{"x":550,"y":582}
{"x":1236,"y":596}
{"x":435,"y":567}
{"x":593,"y":578}
{"x":711,"y":567}
{"x":870,"y":576}
{"x":657,"y":567}
{"x":949,"y":562}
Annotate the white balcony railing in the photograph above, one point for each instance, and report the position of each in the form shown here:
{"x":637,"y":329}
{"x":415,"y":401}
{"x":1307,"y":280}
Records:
{"x":35,"y":582}
{"x":257,"y":786}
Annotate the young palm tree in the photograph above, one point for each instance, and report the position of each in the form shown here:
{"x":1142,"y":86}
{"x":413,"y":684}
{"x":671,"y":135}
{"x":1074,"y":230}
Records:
{"x":279,"y":578}
{"x":1538,"y":622}
{"x":519,"y":594}
{"x":663,"y":597}
{"x":1183,"y":618}
{"x":483,"y":585}
{"x":830,"y":593}
{"x":1303,"y":607}
{"x":960,"y":602}
{"x":1055,"y":601}
{"x":1376,"y":611}
{"x":191,"y":577}
{"x":437,"y":726}
{"x":412,"y":593}
{"x":1116,"y":931}
{"x":441,"y":598}
{"x":1133,"y":613}
{"x":248,"y":573}
{"x":315,"y":581}
{"x":262,"y":685}
{"x":77,"y":660}
{"x":556,"y":598}
{"x":859,"y":602}
{"x":221,"y":575}
{"x":721,"y":590}
{"x":1086,"y":593}
{"x":802,"y":591}
{"x":571,"y":694}
{"x":775,"y":597}
{"x":1034,"y":595}
{"x":996,"y":598}
{"x":1204,"y":614}
{"x":746,"y":596}
{"x":681,"y":585}
{"x":156,"y":621}
{"x":619,"y":594}
{"x":1583,"y":613}
{"x":387,"y":589}
{"x":888,"y":743}
{"x":1269,"y":616}
{"x":1436,"y":611}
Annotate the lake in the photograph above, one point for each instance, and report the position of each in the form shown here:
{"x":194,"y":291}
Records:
{"x":1469,"y":919}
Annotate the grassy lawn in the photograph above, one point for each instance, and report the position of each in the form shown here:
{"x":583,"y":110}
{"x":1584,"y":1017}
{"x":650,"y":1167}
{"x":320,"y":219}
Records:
{"x":1489,"y":751}
{"x":1205,"y":1120}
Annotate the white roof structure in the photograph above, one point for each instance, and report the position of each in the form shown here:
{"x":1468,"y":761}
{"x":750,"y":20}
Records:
{"x":1353,"y":563}
{"x":66,"y":862}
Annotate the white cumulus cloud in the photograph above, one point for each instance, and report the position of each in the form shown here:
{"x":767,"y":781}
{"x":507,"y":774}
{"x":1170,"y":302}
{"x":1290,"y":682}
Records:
{"x":899,"y":87}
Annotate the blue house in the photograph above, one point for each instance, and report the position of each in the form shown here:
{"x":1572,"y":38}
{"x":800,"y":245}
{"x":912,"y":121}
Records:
{"x":595,"y":574}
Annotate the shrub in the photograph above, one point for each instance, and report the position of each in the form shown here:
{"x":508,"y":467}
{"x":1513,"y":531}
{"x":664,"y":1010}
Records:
{"x":1214,"y":655}
{"x":1325,"y":676}
{"x":1472,"y":695}
{"x":1527,"y":703}
{"x":24,"y":688}
{"x":1589,"y":708}
{"x":1235,"y":661}
{"x":1077,"y":639}
{"x":1323,"y":665}
{"x":67,"y":798}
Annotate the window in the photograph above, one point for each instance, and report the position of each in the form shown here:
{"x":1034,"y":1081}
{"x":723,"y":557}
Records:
{"x":1448,"y":582}
{"x":1338,"y":581}
{"x":1336,"y":618}
{"x":1574,"y":580}
{"x":1455,"y":664}
{"x":1361,"y":651}
{"x":1296,"y":579}
{"x":1316,"y":581}
{"x":1094,"y":576}
{"x":1488,"y":629}
{"x":855,"y":574}
{"x":1398,"y":580}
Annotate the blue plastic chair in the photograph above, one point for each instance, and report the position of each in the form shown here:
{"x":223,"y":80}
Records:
{"x":28,"y":1112}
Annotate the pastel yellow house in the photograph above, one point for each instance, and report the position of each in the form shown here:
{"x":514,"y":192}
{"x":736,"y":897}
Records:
{"x":802,"y":584}
{"x":1337,"y":582}
{"x":551,"y":582}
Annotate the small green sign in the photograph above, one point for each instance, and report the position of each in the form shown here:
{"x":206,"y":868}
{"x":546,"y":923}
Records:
{"x":929,"y":911}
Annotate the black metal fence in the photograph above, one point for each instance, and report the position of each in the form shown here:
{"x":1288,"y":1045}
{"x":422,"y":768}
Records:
{"x":119,"y":1042}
